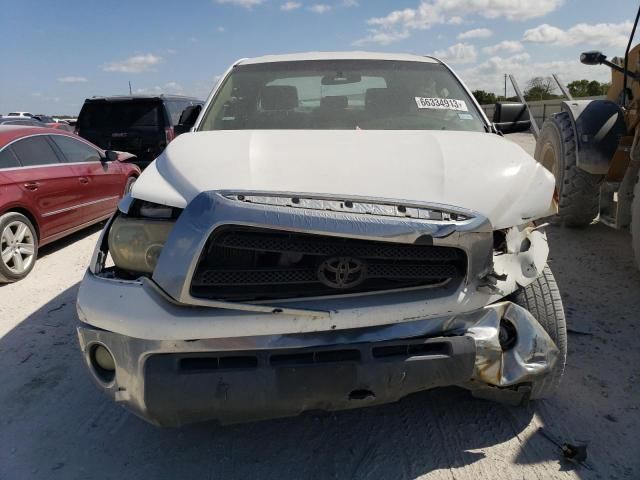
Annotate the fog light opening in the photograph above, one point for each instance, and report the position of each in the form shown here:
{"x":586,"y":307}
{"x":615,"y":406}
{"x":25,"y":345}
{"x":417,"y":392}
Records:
{"x":362,"y":395}
{"x":508,"y":335}
{"x":103,"y":363}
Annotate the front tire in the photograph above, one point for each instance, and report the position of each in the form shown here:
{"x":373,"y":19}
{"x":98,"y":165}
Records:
{"x":542,"y":299}
{"x":18,"y":247}
{"x":129,"y":185}
{"x":578,"y":191}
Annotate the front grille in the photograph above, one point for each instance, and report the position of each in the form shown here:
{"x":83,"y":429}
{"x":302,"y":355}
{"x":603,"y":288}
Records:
{"x":240,"y":263}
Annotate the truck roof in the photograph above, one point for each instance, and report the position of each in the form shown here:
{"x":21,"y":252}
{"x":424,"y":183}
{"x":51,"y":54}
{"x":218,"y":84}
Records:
{"x":142,"y":97}
{"x":338,"y":56}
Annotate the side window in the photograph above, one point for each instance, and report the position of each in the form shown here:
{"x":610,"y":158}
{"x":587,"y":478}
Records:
{"x":8,"y":159}
{"x":75,"y":150}
{"x":175,"y":109}
{"x":34,"y":151}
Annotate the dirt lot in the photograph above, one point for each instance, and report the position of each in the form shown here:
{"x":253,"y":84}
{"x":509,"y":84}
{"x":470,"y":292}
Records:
{"x":55,"y":424}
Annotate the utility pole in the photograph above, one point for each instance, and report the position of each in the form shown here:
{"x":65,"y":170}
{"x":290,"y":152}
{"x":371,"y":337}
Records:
{"x":505,"y":86}
{"x":130,"y":87}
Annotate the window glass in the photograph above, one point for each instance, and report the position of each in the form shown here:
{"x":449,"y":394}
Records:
{"x":8,"y":159}
{"x":75,"y":150}
{"x":343,"y":94}
{"x":34,"y":151}
{"x":175,"y":109}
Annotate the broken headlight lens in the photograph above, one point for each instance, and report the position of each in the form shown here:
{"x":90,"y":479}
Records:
{"x":135,"y":244}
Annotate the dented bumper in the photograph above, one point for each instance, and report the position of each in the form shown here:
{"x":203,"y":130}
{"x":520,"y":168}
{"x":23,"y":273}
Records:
{"x":230,"y":380}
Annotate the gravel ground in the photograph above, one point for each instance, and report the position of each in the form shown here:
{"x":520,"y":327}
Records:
{"x":55,"y":424}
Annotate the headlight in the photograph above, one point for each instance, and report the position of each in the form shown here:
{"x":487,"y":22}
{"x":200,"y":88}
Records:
{"x":135,"y":243}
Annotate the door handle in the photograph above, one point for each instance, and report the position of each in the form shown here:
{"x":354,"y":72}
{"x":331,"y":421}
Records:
{"x":83,"y":180}
{"x":31,"y":185}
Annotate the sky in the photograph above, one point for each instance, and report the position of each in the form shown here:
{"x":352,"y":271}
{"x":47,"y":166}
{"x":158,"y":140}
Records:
{"x":56,"y":54}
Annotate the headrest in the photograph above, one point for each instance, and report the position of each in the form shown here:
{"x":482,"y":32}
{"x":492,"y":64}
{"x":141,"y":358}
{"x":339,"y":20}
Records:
{"x":334,"y":102}
{"x":279,"y":97}
{"x":377,"y":98}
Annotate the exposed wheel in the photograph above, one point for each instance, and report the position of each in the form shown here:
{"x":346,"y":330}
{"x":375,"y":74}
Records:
{"x":542,"y":299}
{"x":579,"y":191}
{"x":18,"y":247}
{"x":635,"y":222}
{"x":129,"y":185}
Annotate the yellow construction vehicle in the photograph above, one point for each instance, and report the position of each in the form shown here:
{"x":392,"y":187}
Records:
{"x":593,"y":149}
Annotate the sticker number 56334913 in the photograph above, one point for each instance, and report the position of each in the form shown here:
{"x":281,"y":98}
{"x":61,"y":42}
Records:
{"x":441,"y":104}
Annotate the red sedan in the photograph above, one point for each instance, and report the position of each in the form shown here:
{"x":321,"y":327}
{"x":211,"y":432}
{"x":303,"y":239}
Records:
{"x":52,"y":183}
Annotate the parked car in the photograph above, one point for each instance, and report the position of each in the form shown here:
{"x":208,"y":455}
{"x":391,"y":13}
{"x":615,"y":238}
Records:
{"x":44,"y":121}
{"x":140,"y":124}
{"x":19,"y":114}
{"x":22,"y":121}
{"x":53,"y":183}
{"x":44,"y":118}
{"x":337,"y":230}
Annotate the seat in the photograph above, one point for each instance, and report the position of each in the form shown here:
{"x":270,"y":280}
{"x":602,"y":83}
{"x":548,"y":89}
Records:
{"x":332,"y":113}
{"x":276,"y":108}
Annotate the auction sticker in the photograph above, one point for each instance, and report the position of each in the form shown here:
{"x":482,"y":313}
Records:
{"x":441,"y":104}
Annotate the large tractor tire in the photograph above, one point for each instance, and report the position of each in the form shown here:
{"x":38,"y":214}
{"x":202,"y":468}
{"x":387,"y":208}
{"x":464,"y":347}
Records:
{"x":635,"y":222}
{"x":578,"y":191}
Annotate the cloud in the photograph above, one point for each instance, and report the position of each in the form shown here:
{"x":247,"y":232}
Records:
{"x":610,"y":34}
{"x":507,"y":46}
{"x":475,"y":33}
{"x":320,"y":8}
{"x":242,"y":3}
{"x":221,"y":29}
{"x":350,"y":3}
{"x":289,"y":6}
{"x":437,"y":12}
{"x":135,"y":64}
{"x":489,"y":75}
{"x":36,"y":94}
{"x":431,"y":12}
{"x":381,"y":38}
{"x":169,"y":87}
{"x":73,"y":79}
{"x":458,"y":53}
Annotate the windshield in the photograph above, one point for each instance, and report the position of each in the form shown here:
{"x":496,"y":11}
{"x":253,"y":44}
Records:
{"x":344,"y":95}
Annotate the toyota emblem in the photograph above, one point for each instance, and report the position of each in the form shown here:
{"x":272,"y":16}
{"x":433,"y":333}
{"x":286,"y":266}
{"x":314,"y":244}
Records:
{"x":342,"y":272}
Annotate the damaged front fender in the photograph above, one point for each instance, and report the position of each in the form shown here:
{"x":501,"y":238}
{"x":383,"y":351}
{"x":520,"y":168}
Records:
{"x":531,"y":355}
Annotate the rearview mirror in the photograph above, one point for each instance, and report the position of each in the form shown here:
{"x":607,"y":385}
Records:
{"x":511,"y":117}
{"x":110,"y":155}
{"x":187,"y":120}
{"x":592,"y":58}
{"x":341,"y":79}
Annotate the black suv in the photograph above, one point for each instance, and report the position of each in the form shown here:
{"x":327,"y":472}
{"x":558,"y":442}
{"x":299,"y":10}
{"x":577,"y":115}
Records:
{"x":140,"y":124}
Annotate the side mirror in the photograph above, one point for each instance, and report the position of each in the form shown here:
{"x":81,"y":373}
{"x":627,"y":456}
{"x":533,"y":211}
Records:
{"x":181,"y":128}
{"x":511,"y":117}
{"x":592,"y":58}
{"x":110,"y":156}
{"x":187,"y":120}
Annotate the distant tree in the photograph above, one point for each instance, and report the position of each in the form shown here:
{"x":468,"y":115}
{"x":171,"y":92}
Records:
{"x":540,"y":88}
{"x":484,"y":98}
{"x":586,"y":88}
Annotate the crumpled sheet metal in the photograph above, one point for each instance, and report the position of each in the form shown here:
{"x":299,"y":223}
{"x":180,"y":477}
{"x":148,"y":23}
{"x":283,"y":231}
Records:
{"x":533,"y":355}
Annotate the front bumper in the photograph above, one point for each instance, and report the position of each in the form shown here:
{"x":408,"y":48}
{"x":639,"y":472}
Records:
{"x":170,"y":382}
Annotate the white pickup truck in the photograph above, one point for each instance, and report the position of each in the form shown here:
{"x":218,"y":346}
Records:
{"x":337,"y":230}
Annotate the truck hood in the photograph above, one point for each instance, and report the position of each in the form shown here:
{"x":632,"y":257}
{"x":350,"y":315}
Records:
{"x":478,"y":171}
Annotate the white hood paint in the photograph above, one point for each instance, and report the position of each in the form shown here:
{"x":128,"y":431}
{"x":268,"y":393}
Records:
{"x":479,"y":171}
